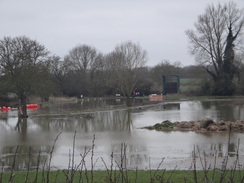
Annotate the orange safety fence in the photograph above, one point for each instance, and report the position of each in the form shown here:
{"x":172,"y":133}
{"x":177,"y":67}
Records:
{"x":155,"y":97}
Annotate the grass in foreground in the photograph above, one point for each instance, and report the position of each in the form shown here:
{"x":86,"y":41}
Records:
{"x":137,"y":176}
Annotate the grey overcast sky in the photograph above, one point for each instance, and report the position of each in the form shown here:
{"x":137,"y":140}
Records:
{"x":157,"y":25}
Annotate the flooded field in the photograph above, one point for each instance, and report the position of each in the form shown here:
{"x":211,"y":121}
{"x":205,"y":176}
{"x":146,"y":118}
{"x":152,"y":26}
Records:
{"x":111,"y":127}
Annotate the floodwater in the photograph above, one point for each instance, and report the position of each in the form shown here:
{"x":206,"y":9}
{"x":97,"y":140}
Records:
{"x":111,"y":134}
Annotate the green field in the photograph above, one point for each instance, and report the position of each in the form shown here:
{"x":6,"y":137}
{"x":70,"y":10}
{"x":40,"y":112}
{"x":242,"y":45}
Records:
{"x":189,"y":85}
{"x":140,"y":176}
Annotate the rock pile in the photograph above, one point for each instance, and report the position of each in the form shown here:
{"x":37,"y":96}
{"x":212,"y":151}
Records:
{"x":200,"y":126}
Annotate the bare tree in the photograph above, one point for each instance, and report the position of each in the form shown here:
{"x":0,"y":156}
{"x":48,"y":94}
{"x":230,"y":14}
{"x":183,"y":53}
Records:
{"x":212,"y":42}
{"x":48,"y":83}
{"x":123,"y":64}
{"x":81,"y":63}
{"x":82,"y":57}
{"x":20,"y":61}
{"x":56,"y":67}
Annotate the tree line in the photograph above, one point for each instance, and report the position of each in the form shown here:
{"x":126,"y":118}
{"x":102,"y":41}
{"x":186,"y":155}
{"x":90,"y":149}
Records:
{"x":28,"y":68}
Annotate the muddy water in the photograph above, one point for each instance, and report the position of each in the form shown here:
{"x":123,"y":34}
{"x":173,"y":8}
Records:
{"x":110,"y":129}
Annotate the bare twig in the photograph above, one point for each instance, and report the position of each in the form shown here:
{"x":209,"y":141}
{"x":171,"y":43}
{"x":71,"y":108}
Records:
{"x":56,"y":177}
{"x":37,"y":166}
{"x":204,"y":164}
{"x":215,"y":163}
{"x":12,"y":169}
{"x":122,"y":165}
{"x":83,"y":163}
{"x":194,"y":164}
{"x":28,"y":166}
{"x":224,"y":168}
{"x":72,"y":168}
{"x":50,"y":157}
{"x":43,"y":171}
{"x":92,"y":156}
{"x":153,"y":178}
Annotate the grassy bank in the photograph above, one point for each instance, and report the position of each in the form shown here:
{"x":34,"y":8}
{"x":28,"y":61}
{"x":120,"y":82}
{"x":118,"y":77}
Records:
{"x":136,"y":176}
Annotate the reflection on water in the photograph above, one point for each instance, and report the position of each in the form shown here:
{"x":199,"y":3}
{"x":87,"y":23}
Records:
{"x":35,"y":137}
{"x":83,"y":123}
{"x":171,"y":106}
